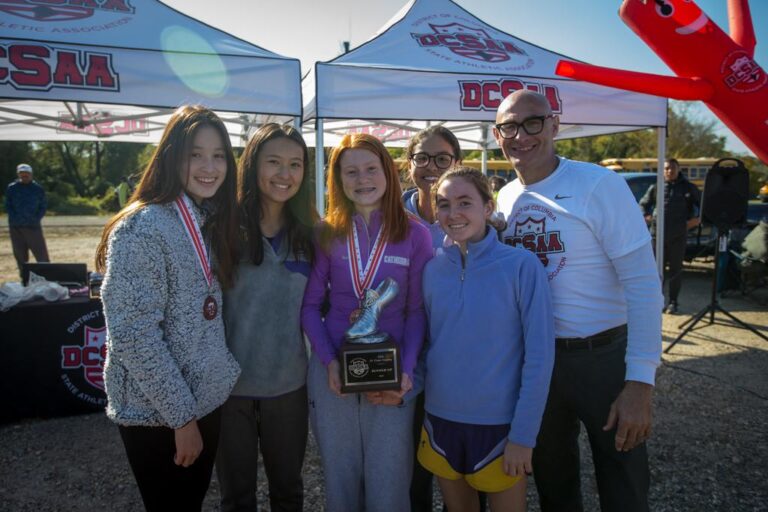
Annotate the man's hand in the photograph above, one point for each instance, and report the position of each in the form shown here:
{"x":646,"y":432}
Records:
{"x":692,"y":223}
{"x":517,"y":459}
{"x":648,"y":218}
{"x":631,"y":411}
{"x":497,"y":221}
{"x":334,"y":377}
{"x":189,"y":444}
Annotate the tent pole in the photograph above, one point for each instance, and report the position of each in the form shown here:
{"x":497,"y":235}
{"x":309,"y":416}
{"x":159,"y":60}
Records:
{"x":662,"y":148}
{"x":319,"y":168}
{"x":484,"y":157}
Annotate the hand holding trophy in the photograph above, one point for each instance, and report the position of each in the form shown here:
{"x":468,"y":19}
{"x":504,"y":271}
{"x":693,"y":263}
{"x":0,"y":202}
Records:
{"x":369,"y":358}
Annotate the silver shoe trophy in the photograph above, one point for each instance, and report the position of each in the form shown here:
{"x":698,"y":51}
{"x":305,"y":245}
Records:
{"x":370,"y":360}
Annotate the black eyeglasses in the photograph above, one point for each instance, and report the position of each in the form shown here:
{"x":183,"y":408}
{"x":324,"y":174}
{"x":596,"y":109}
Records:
{"x":442,"y":160}
{"x":532,"y":126}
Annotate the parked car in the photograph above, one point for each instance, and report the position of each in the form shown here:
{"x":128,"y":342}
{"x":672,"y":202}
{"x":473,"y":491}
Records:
{"x":701,"y":240}
{"x":763,"y":193}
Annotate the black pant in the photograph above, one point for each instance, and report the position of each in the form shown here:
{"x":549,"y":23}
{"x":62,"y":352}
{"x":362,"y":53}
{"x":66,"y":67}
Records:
{"x":421,"y":482}
{"x":164,"y":486}
{"x":674,"y":253}
{"x":25,"y":239}
{"x":278,"y":428}
{"x":584,"y":384}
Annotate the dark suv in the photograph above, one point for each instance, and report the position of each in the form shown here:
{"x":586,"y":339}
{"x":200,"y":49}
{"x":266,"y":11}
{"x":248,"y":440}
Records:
{"x":701,"y":240}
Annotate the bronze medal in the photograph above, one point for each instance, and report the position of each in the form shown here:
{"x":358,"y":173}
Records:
{"x":210,"y":308}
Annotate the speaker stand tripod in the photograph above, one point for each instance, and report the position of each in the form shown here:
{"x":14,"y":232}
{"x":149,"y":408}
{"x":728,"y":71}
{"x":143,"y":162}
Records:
{"x":714,"y":304}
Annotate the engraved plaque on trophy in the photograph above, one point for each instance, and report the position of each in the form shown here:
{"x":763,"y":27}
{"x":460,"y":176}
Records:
{"x":369,"y":358}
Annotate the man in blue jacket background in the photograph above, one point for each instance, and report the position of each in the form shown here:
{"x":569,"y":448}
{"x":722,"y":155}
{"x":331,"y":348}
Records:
{"x":25,"y":203}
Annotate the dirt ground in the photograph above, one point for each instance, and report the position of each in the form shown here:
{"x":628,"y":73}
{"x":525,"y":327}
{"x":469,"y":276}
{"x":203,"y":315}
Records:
{"x":709,"y":450}
{"x":70,"y":239}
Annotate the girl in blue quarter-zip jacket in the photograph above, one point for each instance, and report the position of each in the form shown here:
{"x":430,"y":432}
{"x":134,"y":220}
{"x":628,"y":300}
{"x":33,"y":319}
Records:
{"x":490,"y":355}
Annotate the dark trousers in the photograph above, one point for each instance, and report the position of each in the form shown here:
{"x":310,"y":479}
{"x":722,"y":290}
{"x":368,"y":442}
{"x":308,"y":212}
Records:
{"x":584,"y":385}
{"x":421,"y":482}
{"x":25,"y":239}
{"x":163,"y":485}
{"x":278,"y":427}
{"x":674,"y":253}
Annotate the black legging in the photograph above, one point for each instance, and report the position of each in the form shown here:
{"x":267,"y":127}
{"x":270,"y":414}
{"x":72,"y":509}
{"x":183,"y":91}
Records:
{"x":164,"y":485}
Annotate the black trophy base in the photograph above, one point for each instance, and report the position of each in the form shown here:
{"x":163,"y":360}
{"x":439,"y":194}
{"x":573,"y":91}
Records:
{"x":370,"y":367}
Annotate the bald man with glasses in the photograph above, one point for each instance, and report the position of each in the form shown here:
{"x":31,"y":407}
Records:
{"x":583,"y":223}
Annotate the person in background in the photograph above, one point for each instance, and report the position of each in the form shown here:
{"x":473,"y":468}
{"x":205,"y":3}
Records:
{"x":167,"y":256}
{"x":367,"y":237}
{"x":430,"y":153}
{"x":681,"y":213}
{"x":583,"y":223}
{"x":483,"y":416}
{"x":497,"y":183}
{"x":267,"y":412}
{"x":25,"y":203}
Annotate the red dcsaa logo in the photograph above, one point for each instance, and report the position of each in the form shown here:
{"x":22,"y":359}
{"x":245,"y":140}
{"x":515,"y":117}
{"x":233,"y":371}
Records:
{"x":470,"y":42}
{"x":488,"y":94}
{"x":741,"y":73}
{"x":63,"y":10}
{"x":38,"y":67}
{"x":89,"y":356}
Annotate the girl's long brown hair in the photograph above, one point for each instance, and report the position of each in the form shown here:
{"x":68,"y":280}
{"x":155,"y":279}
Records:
{"x":161,"y":183}
{"x":300,"y":212}
{"x":338,"y":221}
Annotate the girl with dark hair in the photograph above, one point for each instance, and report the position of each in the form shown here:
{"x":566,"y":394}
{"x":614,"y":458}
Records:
{"x":482,"y":418}
{"x":267,"y":411}
{"x":366,"y":238}
{"x":430,"y":153}
{"x":168,"y":369}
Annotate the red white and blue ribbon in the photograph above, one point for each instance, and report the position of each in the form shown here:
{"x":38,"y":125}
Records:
{"x":363,"y":276}
{"x":183,"y":208}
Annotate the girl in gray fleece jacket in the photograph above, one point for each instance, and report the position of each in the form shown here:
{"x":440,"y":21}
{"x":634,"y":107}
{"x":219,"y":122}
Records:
{"x":267,"y":411}
{"x":168,"y":369}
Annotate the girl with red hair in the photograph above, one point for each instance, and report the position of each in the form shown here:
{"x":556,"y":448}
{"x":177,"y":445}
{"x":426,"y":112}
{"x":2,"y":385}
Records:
{"x":366,"y":448}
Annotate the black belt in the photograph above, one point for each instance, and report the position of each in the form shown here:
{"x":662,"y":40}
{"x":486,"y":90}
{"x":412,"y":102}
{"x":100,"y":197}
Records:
{"x":596,"y":340}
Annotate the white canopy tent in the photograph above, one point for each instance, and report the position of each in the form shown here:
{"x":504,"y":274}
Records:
{"x":436,"y":62}
{"x":117,"y":69}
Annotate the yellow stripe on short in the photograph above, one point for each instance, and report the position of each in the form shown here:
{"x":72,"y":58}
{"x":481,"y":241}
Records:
{"x":491,"y":478}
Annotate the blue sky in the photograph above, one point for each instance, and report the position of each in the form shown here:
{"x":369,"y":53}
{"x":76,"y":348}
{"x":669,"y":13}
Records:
{"x":588,"y":30}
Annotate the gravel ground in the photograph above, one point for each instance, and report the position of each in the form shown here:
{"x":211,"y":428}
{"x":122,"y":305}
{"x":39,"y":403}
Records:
{"x":709,"y":450}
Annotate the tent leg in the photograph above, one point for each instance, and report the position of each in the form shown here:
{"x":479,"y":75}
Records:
{"x":662,"y":148}
{"x":484,"y":157}
{"x":319,"y":168}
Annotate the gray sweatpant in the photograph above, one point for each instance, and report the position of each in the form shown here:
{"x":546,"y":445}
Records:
{"x":366,"y":450}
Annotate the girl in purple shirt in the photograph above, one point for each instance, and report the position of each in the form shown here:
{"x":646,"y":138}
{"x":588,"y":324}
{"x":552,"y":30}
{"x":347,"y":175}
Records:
{"x":366,"y":449}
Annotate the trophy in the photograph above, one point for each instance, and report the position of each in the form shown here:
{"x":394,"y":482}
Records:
{"x":370,"y":360}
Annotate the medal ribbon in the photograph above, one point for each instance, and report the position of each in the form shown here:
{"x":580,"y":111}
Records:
{"x":362,"y":277}
{"x":193,"y":231}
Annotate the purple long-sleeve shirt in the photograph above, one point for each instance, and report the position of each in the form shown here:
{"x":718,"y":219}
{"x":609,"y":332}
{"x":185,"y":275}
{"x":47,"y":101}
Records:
{"x":403,"y":318}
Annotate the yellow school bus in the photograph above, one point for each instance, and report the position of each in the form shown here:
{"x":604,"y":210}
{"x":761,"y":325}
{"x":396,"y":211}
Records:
{"x":495,"y":167}
{"x":695,"y":169}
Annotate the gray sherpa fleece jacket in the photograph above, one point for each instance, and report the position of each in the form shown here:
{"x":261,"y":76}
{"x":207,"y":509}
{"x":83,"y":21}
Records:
{"x":166,"y":364}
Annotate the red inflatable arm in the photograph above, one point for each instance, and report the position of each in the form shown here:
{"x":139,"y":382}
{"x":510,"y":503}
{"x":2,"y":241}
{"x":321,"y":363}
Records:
{"x":710,"y":65}
{"x":658,"y":85}
{"x":740,"y":25}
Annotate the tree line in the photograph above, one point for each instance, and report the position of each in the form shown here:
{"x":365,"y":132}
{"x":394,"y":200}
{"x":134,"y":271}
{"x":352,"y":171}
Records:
{"x":80,"y":177}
